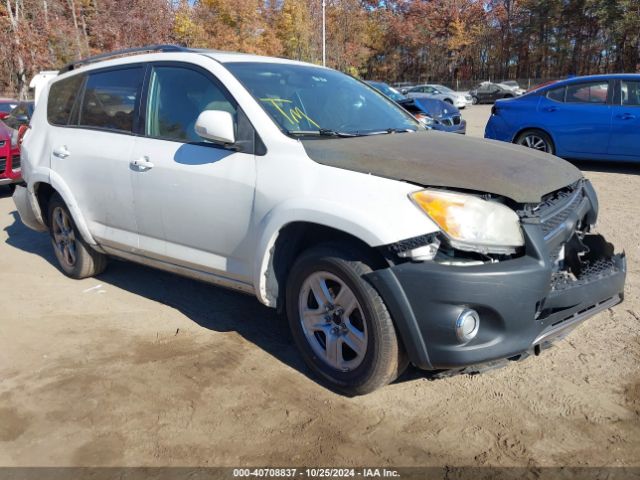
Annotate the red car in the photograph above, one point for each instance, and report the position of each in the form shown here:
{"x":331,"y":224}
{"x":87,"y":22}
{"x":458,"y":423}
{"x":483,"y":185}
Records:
{"x":6,"y":105}
{"x":9,"y":156}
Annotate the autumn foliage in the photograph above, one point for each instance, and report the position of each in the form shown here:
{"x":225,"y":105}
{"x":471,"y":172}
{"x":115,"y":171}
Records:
{"x":392,"y":40}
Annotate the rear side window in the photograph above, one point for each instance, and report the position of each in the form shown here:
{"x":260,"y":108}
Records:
{"x":556,"y":94}
{"x":62,"y":96}
{"x":630,"y":93}
{"x":110,"y":99}
{"x":595,"y":92}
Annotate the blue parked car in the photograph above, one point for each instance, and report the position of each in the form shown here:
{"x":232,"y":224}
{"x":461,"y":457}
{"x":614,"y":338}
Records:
{"x":595,"y":117}
{"x":434,"y":113}
{"x":446,"y":117}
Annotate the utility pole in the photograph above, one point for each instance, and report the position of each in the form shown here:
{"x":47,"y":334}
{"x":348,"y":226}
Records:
{"x":324,"y":35}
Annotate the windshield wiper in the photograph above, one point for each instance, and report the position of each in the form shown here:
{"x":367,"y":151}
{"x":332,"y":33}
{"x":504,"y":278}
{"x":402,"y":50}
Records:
{"x":321,"y":132}
{"x":390,"y":130}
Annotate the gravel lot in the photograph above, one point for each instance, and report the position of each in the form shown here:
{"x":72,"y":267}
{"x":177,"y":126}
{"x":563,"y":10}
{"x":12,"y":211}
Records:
{"x":139,"y":367}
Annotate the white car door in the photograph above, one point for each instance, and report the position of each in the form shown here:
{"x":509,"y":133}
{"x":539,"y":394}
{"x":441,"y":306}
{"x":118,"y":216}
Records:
{"x":91,"y":152}
{"x":193,"y":199}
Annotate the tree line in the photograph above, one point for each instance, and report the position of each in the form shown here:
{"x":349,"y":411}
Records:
{"x":391,"y":40}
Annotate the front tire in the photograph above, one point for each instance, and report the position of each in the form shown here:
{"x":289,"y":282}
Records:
{"x":474,"y":100}
{"x":536,"y":139}
{"x":340,"y":323}
{"x":449,"y":101}
{"x":75,"y":257}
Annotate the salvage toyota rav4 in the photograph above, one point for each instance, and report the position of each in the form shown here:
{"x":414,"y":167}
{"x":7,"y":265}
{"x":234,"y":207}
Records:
{"x":383,"y":242}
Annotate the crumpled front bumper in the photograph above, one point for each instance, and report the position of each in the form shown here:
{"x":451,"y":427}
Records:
{"x":523,"y":303}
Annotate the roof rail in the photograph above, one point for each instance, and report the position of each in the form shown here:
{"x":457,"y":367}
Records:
{"x":118,"y":53}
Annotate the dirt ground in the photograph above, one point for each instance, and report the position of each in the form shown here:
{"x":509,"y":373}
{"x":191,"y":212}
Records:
{"x":139,"y":367}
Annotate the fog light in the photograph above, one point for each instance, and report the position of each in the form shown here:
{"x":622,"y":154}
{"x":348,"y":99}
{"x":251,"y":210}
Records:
{"x":467,"y":325}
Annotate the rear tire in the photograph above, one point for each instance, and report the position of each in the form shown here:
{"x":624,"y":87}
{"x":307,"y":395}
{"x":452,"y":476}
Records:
{"x":75,"y":257}
{"x":340,"y":323}
{"x":536,"y":139}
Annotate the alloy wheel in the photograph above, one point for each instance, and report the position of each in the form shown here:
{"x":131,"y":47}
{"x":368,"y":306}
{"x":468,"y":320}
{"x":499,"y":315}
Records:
{"x":333,"y":321}
{"x":64,"y":238}
{"x":535,"y":141}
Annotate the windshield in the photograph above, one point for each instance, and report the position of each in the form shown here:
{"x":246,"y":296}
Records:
{"x":306,"y":100}
{"x":390,"y":92}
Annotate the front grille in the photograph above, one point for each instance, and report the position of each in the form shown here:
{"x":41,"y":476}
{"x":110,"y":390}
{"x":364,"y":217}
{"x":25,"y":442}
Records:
{"x":553,"y":221}
{"x":3,"y":164}
{"x":446,"y":121}
{"x":556,"y":207}
{"x":15,"y":162}
{"x":456,"y":120}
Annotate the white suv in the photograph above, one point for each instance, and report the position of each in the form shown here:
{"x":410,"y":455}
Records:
{"x":384,"y":243}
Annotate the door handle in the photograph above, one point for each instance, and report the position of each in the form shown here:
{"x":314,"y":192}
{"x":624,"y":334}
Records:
{"x":142,"y":163}
{"x":551,"y":109}
{"x":626,"y":116}
{"x":61,"y":152}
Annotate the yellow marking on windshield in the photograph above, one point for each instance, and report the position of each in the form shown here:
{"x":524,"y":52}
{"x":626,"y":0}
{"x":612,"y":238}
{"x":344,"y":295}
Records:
{"x":295,"y":114}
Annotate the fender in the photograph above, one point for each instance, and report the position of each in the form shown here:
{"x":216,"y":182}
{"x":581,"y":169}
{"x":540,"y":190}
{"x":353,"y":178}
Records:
{"x":36,"y":176}
{"x":61,"y":187}
{"x":365,"y":224}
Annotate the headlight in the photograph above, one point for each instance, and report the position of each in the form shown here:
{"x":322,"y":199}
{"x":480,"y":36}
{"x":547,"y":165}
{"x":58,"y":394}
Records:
{"x":470,"y":223}
{"x":425,"y":119}
{"x":14,"y":138}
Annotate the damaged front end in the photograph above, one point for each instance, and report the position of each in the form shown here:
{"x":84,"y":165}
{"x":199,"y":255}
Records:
{"x":521,"y":300}
{"x":579,"y":260}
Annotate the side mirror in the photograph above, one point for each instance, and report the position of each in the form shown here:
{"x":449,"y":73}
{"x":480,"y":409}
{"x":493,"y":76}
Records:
{"x":216,"y":126}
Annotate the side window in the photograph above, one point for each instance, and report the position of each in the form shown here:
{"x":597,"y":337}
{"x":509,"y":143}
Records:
{"x":556,"y":94}
{"x":595,"y":92}
{"x":62,"y":96}
{"x":630,"y":91}
{"x":177,"y":96}
{"x":110,"y":98}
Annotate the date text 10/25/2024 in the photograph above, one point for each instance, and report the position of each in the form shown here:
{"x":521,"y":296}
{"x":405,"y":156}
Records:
{"x":316,"y":472}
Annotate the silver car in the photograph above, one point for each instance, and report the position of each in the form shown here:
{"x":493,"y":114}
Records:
{"x":438,"y":91}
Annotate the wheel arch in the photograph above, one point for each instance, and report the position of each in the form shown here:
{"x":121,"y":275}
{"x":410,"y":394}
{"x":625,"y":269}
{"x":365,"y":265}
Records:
{"x":288,"y":242}
{"x":520,"y":131}
{"x":43,"y":191}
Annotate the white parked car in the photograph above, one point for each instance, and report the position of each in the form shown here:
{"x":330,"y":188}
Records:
{"x":459,"y":100}
{"x":513,"y":86}
{"x":383,"y":242}
{"x":39,"y":80}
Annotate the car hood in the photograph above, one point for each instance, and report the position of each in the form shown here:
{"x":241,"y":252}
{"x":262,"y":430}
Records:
{"x":435,"y":159}
{"x":436,"y":108}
